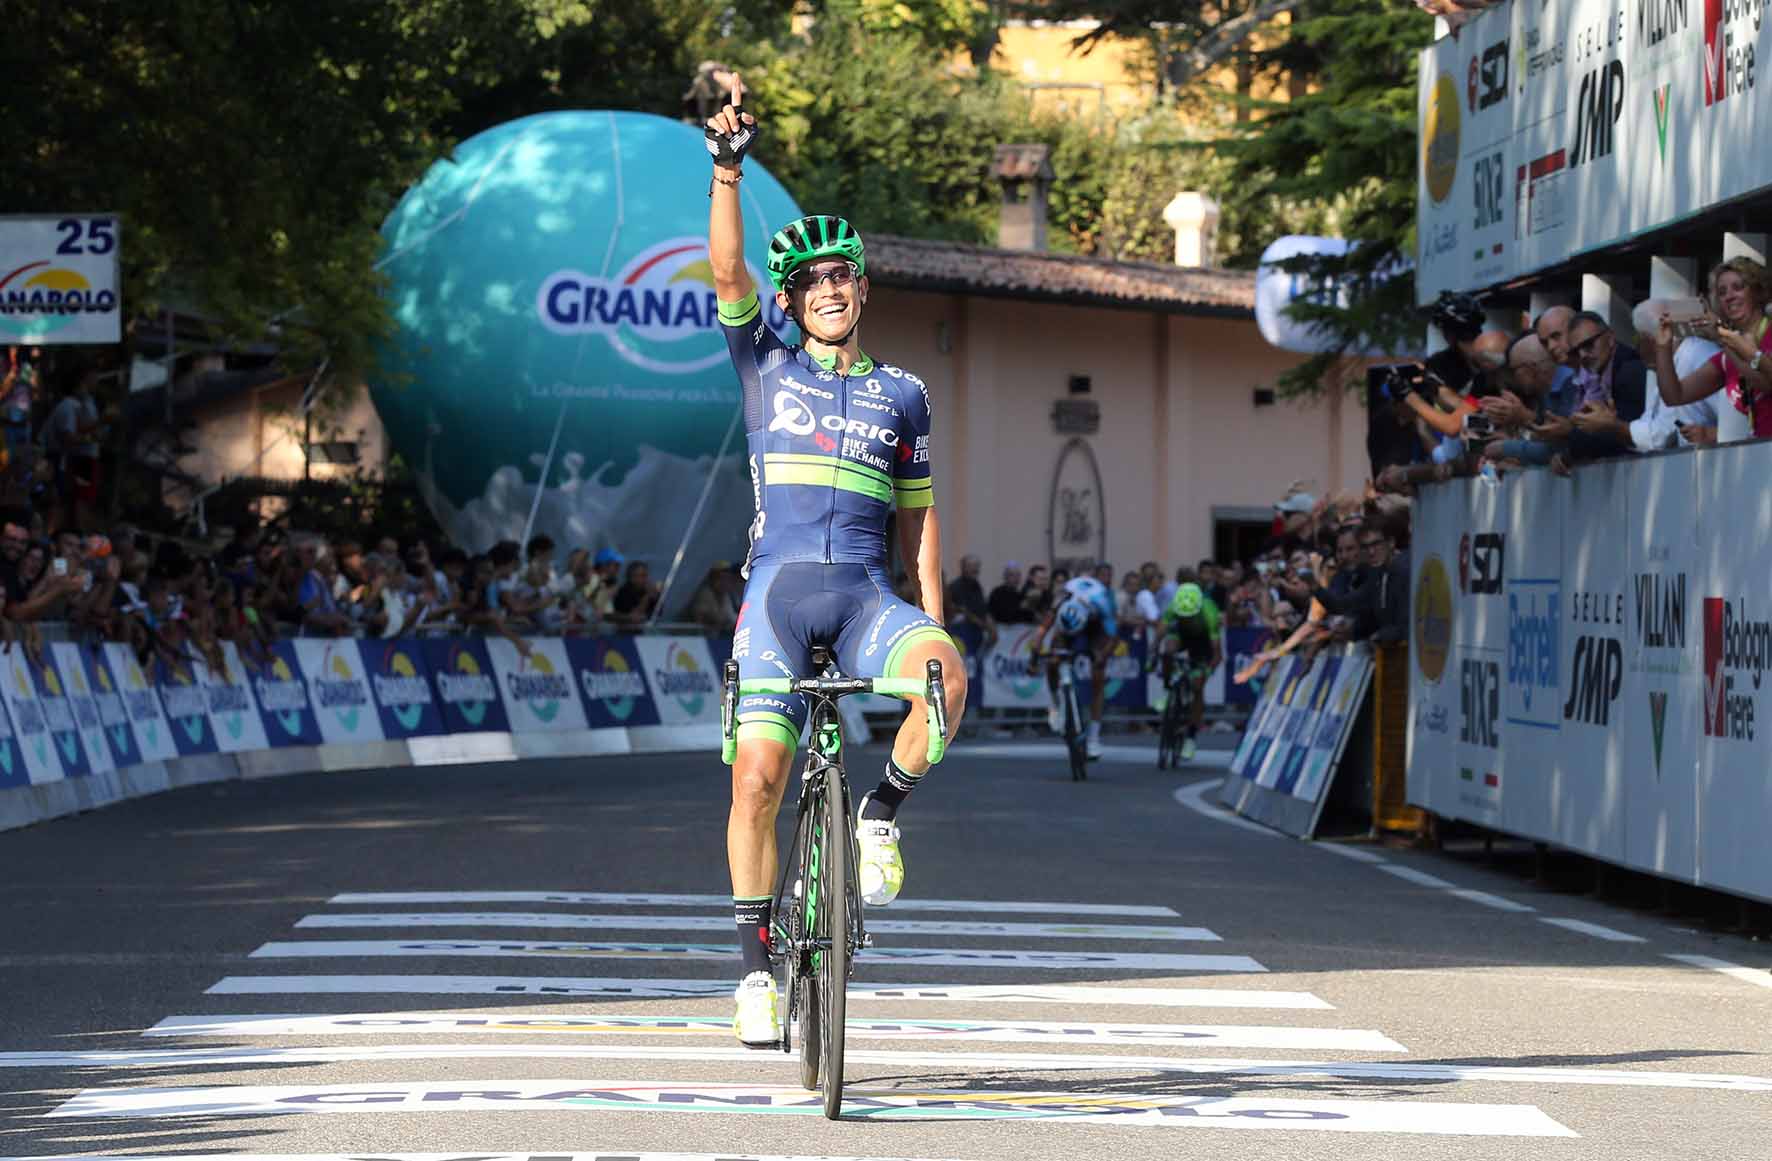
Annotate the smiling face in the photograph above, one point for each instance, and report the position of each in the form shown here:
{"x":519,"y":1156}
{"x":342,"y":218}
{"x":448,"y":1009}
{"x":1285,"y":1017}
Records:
{"x":1738,"y":304}
{"x":825,"y":298}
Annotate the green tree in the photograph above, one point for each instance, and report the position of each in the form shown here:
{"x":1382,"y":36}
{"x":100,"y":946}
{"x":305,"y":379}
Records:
{"x":1345,"y":151}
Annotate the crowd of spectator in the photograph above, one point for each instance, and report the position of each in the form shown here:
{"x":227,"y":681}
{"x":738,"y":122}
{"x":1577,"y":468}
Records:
{"x":1332,"y":570}
{"x":1568,"y":389}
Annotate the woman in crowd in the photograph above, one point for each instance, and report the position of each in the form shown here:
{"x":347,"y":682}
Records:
{"x":1740,"y":290}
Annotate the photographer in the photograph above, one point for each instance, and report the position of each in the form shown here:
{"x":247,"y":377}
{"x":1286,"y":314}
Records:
{"x":1740,"y":290}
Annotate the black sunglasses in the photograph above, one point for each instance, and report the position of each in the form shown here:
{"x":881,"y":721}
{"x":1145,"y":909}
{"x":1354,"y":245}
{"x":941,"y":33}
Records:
{"x":1584,"y":345}
{"x":807,"y":278}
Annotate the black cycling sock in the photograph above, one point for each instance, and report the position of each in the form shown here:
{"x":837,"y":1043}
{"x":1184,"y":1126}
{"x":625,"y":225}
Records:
{"x":894,"y":788}
{"x":752,"y":916}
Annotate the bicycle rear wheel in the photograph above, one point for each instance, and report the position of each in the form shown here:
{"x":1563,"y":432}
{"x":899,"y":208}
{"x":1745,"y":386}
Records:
{"x":833,"y":963}
{"x":803,"y":982}
{"x":1169,"y":735}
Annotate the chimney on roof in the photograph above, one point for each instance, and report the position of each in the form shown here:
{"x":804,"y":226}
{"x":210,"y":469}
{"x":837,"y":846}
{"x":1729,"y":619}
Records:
{"x":1194,"y":218}
{"x":1026,"y":174}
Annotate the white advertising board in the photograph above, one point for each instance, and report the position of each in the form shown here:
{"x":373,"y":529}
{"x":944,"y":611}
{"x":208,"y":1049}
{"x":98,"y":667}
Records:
{"x":59,"y":280}
{"x":339,"y":689}
{"x":1603,"y":685}
{"x":1551,"y":130}
{"x":538,"y":689}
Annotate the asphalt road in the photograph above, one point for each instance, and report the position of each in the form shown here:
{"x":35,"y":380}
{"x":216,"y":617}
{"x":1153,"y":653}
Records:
{"x":1146,"y":979}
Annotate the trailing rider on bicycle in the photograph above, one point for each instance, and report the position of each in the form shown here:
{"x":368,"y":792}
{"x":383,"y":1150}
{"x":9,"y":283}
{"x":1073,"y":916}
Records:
{"x":1086,"y":618}
{"x":1190,"y":626}
{"x":837,"y":443}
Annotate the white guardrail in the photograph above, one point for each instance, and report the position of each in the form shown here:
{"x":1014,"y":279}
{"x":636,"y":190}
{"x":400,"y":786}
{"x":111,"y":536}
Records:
{"x":1589,"y":661}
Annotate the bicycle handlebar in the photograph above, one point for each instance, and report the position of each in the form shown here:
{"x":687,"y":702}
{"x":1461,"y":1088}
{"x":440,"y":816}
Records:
{"x":929,"y":689}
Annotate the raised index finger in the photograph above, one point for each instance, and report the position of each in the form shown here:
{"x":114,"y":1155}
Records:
{"x":737,"y":91}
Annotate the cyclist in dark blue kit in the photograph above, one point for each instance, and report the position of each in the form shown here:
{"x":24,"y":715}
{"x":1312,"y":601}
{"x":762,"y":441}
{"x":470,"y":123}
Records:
{"x":837,"y":443}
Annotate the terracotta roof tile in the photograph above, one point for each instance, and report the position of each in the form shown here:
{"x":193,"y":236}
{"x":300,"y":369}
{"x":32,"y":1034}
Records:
{"x":956,"y":267}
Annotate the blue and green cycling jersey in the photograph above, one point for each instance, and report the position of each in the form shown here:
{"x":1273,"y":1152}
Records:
{"x":831,"y":455}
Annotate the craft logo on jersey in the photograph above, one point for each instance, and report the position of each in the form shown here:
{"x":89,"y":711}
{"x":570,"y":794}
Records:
{"x":1735,"y":646}
{"x":185,"y":703}
{"x":1433,"y":619}
{"x":464,"y":685}
{"x":615,"y":684}
{"x":401,"y":689}
{"x":338,"y":687}
{"x":683,"y":678}
{"x":536,"y":683}
{"x":1730,"y":29}
{"x":282,"y":695}
{"x":659,"y":311}
{"x":1439,"y":142}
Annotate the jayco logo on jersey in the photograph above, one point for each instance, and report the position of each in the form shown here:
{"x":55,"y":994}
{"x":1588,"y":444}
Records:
{"x":793,"y":384}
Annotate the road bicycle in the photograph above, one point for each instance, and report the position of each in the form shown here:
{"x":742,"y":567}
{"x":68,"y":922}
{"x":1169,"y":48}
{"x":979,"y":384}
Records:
{"x":1075,"y":726}
{"x":817,"y":926}
{"x":1172,"y":732}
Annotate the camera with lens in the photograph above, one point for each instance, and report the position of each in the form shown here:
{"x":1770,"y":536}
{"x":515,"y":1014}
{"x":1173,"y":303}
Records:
{"x":1391,"y":382}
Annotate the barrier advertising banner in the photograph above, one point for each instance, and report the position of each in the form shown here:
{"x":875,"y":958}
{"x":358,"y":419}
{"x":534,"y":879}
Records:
{"x":467,"y":690}
{"x":1012,"y":678}
{"x":281,"y":692}
{"x":538,"y":687}
{"x":1551,"y":130}
{"x":107,"y":701}
{"x":233,"y":712}
{"x":680,"y":674}
{"x":13,"y":773}
{"x":58,"y":713}
{"x":339,"y":689}
{"x":612,"y":678}
{"x":19,"y":690}
{"x":1600,"y":680}
{"x":1284,"y":764}
{"x":187,"y":707}
{"x":404,"y":693}
{"x":141,"y":701}
{"x":76,"y":683}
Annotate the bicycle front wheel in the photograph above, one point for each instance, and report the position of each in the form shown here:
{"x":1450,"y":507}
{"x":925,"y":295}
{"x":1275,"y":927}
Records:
{"x":1076,"y":735}
{"x":835,"y":869}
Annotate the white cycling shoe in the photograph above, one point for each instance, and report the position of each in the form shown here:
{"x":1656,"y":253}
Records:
{"x":1188,"y":749}
{"x":757,"y":1023}
{"x":1094,"y":741}
{"x":1055,"y":720}
{"x":881,"y":870}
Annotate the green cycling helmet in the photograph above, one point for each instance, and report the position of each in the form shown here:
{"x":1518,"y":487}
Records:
{"x":812,"y":237}
{"x":1189,"y":600}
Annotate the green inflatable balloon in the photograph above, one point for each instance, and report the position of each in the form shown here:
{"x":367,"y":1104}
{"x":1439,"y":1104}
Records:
{"x":551,"y":289}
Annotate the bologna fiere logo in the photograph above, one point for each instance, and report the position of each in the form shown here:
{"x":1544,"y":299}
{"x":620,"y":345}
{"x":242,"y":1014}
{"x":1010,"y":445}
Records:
{"x":1734,"y":646}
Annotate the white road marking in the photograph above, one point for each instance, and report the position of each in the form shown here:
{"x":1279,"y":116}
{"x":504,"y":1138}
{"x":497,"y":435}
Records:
{"x":1582,"y":927}
{"x":875,"y":1104}
{"x":999,"y":1032}
{"x":1194,"y":798}
{"x":541,"y":919}
{"x":1758,"y":977}
{"x":1357,"y":854}
{"x":1112,"y":755}
{"x":636,"y":899}
{"x":983,"y":957}
{"x":478,"y":1155}
{"x":556,"y":949}
{"x":1484,"y":898}
{"x":1385,"y":1071}
{"x":685,"y":989}
{"x":1421,"y":878}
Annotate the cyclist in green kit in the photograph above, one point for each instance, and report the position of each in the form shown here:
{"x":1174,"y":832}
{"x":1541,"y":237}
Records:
{"x":837,"y":443}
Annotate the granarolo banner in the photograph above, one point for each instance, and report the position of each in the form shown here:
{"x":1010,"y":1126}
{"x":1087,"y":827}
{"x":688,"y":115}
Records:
{"x":551,"y":289}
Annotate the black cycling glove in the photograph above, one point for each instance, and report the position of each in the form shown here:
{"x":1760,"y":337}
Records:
{"x":729,"y":149}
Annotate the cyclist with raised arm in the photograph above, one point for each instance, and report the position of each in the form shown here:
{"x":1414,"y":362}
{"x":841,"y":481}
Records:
{"x":1191,"y":626}
{"x":1085,"y":615}
{"x":837,"y":444}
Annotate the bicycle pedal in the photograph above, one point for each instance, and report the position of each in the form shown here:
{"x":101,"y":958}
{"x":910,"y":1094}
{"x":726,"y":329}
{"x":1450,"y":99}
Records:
{"x":867,"y":941}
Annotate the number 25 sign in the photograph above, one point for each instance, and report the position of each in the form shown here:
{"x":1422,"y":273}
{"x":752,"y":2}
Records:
{"x":59,"y":279}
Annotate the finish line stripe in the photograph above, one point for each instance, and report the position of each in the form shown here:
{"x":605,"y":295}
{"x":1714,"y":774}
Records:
{"x":724,"y":902}
{"x":1385,"y":1072}
{"x":724,"y":923}
{"x":1120,"y":1109}
{"x":929,"y":957}
{"x":1001,"y":1032}
{"x":554,"y":986}
{"x":479,"y":1156}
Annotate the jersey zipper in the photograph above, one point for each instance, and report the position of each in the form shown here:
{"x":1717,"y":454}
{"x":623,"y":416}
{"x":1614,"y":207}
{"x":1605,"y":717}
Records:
{"x":831,"y":508}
